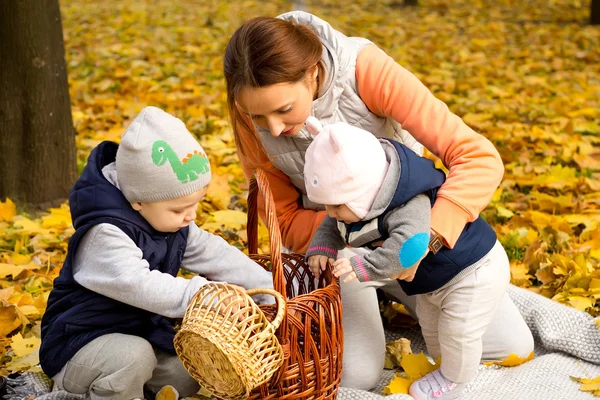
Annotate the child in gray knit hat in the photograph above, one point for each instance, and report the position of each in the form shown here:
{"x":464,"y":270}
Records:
{"x":106,"y":332}
{"x":378,"y":195}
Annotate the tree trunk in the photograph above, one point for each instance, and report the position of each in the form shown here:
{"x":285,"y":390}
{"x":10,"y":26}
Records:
{"x":595,"y":12}
{"x":37,"y":141}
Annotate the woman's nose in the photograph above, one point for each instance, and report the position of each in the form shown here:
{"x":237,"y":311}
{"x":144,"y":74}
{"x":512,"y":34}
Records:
{"x":276,"y":126}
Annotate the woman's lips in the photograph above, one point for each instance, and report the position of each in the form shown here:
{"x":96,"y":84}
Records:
{"x":289,"y":131}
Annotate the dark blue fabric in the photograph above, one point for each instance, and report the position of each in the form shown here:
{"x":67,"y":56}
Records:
{"x":75,"y":315}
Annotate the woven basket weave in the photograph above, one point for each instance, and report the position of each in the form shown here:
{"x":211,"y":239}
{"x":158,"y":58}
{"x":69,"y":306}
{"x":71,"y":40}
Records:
{"x":226,"y":343}
{"x":311,"y":331}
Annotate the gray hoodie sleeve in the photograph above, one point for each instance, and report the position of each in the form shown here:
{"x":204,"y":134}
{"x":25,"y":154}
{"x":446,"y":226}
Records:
{"x":327,"y":240}
{"x":212,"y":257}
{"x":108,"y":262}
{"x":408,"y":242}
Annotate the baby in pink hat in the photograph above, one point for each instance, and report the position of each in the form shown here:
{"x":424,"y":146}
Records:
{"x":346,"y":170}
{"x":378,"y":195}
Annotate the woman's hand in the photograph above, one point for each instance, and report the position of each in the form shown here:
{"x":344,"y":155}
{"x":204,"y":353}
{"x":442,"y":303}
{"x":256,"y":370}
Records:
{"x":408,"y":274}
{"x":318,"y":263}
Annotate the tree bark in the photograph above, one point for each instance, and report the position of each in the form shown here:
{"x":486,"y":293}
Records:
{"x":595,"y":12}
{"x":37,"y":141}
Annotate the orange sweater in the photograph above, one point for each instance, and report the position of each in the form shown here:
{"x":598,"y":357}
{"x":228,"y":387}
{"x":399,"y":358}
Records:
{"x":387,"y":89}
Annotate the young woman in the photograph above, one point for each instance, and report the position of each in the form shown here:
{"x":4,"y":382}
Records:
{"x":279,"y":71}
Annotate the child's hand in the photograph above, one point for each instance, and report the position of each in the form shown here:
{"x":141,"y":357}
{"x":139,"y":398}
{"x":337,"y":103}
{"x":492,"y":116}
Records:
{"x":317,"y":263}
{"x":343,"y":267}
{"x":224,"y":305}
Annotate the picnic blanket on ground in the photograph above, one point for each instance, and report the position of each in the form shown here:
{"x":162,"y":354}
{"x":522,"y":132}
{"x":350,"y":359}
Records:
{"x":567,"y":343}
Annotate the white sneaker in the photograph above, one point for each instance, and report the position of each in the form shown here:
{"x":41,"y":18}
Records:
{"x":435,"y":386}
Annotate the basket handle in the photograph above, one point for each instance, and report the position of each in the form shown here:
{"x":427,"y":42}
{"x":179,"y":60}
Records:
{"x":280,"y":304}
{"x":259,"y":182}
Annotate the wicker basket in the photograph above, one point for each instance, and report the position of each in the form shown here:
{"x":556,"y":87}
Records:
{"x":311,"y":332}
{"x":226,"y":343}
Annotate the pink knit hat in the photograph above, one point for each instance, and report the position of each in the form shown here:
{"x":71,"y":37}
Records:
{"x":343,"y":165}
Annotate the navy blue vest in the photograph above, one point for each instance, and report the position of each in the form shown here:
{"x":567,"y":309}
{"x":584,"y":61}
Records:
{"x":75,"y":315}
{"x":419,"y":175}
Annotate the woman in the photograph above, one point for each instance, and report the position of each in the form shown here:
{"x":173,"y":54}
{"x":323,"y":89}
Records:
{"x":280,"y":71}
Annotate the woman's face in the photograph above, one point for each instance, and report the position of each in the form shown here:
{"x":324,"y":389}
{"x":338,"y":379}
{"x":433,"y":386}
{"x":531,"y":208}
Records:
{"x":281,"y":108}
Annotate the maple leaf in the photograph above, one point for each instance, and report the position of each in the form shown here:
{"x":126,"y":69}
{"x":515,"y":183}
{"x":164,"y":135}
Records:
{"x":589,"y":385}
{"x":399,"y":385}
{"x":415,"y":367}
{"x":11,"y":318}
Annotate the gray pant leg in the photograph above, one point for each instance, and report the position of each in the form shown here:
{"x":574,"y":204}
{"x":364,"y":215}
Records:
{"x":170,"y":371}
{"x":111,"y":367}
{"x":364,"y":340}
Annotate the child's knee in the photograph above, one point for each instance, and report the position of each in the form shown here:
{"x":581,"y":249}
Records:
{"x":138,"y":355}
{"x":523,"y":344}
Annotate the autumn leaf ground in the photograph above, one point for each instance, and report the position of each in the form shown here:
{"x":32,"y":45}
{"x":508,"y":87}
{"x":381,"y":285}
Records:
{"x":526,"y":74}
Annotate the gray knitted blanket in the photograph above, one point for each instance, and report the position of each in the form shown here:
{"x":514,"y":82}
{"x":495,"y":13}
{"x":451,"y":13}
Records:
{"x":567,"y":343}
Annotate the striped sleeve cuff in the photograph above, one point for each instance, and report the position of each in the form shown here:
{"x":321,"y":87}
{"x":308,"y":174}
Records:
{"x":321,"y":251}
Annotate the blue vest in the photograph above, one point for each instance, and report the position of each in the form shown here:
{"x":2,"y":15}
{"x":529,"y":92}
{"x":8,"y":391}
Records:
{"x":418,"y":175}
{"x":75,"y":315}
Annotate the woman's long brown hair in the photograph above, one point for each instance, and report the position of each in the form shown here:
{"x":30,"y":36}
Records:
{"x":265,"y":51}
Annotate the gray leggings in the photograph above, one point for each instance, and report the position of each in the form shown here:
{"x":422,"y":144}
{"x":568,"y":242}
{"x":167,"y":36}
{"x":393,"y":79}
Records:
{"x":117,"y":367}
{"x":364,"y":339}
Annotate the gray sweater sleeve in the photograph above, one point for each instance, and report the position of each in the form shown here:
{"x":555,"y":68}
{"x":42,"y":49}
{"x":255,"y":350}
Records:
{"x":108,"y":262}
{"x":212,"y":257}
{"x":327,"y":240}
{"x":408,"y":242}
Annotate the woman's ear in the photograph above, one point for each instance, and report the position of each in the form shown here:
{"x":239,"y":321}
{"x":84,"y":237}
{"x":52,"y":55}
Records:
{"x":315,"y":72}
{"x":137,"y":206}
{"x":313,"y":125}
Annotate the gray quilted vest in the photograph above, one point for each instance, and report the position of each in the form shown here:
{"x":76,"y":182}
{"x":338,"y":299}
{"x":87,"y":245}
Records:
{"x":338,"y":101}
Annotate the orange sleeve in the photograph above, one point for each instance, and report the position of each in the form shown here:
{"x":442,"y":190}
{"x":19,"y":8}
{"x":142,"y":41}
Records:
{"x":297,"y":224}
{"x":474,"y":164}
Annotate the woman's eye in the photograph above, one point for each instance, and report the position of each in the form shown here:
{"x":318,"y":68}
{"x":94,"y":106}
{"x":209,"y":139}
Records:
{"x":286,"y":111}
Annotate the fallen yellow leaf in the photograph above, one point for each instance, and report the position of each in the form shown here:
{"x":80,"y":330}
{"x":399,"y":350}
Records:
{"x":26,"y":363}
{"x":59,"y":218}
{"x":580,"y":303}
{"x":230,"y":219}
{"x":415,"y":367}
{"x":8,"y":210}
{"x":512,"y":360}
{"x":23,"y":346}
{"x":589,"y":385}
{"x":10,"y":270}
{"x":219,"y":193}
{"x":10,"y":318}
{"x":399,"y":385}
{"x":418,"y":365}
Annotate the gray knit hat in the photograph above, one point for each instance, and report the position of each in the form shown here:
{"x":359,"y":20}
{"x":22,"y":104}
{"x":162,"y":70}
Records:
{"x":159,"y":159}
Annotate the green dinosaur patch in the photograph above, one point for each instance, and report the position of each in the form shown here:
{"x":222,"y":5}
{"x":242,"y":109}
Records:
{"x":188,"y":169}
